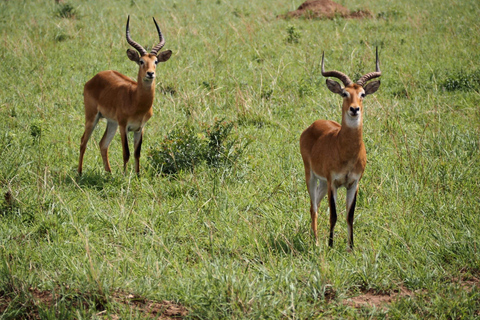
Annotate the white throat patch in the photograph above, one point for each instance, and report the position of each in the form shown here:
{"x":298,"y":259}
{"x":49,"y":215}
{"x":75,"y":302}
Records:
{"x":353,"y":122}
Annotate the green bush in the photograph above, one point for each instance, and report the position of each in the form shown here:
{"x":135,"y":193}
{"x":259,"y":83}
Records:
{"x":180,"y":150}
{"x":185,"y":148}
{"x":65,"y":10}
{"x":293,"y":36}
{"x":462,"y":81}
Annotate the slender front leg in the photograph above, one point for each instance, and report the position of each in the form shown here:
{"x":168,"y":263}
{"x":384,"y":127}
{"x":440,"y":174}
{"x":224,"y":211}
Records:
{"x":126,"y":151}
{"x":332,"y":195}
{"x":105,"y":142}
{"x":351,"y":202}
{"x":137,"y":145}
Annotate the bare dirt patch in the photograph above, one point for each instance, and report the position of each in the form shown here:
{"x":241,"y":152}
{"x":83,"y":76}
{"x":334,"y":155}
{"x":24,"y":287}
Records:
{"x":379,"y":300}
{"x":467,"y":282}
{"x":325,"y":9}
{"x":159,"y":309}
{"x":165,"y":310}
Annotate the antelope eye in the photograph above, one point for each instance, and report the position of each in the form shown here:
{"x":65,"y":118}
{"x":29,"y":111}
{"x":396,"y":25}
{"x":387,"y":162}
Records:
{"x":344,"y":94}
{"x":156,"y":62}
{"x":141,"y":62}
{"x":362,"y":95}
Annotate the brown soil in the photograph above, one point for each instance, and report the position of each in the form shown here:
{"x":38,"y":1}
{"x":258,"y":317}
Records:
{"x":380,"y":300}
{"x":160,"y":310}
{"x":325,"y":9}
{"x":168,"y":310}
{"x":164,"y":310}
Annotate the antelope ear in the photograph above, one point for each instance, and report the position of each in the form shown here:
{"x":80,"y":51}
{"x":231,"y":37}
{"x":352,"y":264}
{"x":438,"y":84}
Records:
{"x":334,"y":86}
{"x":371,"y":87}
{"x":164,"y":55}
{"x":133,"y":55}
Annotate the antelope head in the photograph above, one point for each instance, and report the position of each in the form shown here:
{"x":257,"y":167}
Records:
{"x":147,"y":61}
{"x":353,"y":93}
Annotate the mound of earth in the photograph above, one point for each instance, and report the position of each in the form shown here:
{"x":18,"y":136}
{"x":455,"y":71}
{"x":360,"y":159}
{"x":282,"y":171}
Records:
{"x":325,"y":9}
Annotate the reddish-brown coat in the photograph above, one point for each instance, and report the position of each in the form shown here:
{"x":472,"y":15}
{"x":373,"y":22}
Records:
{"x":123,"y":102}
{"x":328,"y":147}
{"x":334,"y":155}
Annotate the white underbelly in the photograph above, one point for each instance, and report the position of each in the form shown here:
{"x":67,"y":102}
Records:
{"x":135,"y":126}
{"x":345,"y":179}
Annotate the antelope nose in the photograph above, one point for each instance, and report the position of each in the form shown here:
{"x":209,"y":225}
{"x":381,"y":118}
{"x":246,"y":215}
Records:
{"x":354,"y":110}
{"x":150,"y":74}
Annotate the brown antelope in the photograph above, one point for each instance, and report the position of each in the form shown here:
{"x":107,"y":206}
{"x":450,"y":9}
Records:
{"x":334,"y":155}
{"x":123,"y":102}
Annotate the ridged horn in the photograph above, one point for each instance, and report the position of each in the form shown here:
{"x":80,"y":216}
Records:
{"x":336,"y":74}
{"x":139,"y":48}
{"x":372,"y":75}
{"x":162,"y":40}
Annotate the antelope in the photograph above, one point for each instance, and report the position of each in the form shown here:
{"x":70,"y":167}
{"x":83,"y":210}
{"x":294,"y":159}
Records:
{"x":333,"y":154}
{"x":122,"y":102}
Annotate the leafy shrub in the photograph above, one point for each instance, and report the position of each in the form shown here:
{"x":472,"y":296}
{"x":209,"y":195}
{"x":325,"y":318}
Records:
{"x":464,"y":81}
{"x":184,"y":148}
{"x":390,"y":14}
{"x":65,"y":10}
{"x":180,"y":150}
{"x":293,"y":36}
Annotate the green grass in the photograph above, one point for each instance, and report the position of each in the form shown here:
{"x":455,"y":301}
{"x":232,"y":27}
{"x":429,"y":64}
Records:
{"x":234,"y":241}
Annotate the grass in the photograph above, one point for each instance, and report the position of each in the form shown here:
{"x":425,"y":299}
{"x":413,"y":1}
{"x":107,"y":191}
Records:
{"x":234,"y":241}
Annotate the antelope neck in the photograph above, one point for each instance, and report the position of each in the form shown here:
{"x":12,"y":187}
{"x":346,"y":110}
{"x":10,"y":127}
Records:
{"x":352,"y":137}
{"x":145,"y":93}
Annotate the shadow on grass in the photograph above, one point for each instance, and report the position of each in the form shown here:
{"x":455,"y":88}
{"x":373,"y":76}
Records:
{"x":291,"y":244}
{"x":94,"y":180}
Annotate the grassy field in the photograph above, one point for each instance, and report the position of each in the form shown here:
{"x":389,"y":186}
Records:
{"x":227,"y":235}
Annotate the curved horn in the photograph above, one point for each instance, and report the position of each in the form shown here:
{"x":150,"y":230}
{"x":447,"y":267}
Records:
{"x":162,"y":40}
{"x":337,"y":74}
{"x":133,"y":43}
{"x":371,"y":75}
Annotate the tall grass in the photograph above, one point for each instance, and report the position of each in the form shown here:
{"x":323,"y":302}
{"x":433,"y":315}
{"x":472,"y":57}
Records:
{"x":234,"y":241}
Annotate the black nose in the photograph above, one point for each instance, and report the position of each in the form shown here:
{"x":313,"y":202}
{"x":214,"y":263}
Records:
{"x":354,"y":111}
{"x":150,"y":74}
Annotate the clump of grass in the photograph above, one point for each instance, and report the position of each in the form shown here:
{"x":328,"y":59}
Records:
{"x":306,"y":87}
{"x":390,"y":14}
{"x":293,"y":36}
{"x":7,"y":204}
{"x":217,"y":150}
{"x":185,"y":148}
{"x":36,"y":130}
{"x":168,"y":89}
{"x":255,"y":120}
{"x":65,"y":10}
{"x":266,"y":94}
{"x":462,"y":81}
